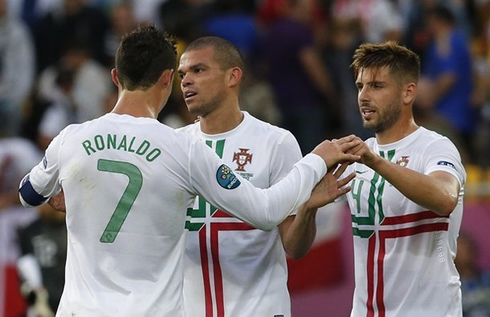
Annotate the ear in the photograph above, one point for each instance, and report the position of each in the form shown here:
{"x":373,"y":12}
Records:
{"x":409,"y":93}
{"x":114,"y":77}
{"x":235,"y":76}
{"x":167,"y":77}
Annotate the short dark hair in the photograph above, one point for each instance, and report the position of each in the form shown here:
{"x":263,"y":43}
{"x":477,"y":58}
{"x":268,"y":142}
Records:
{"x":226,"y":54}
{"x":143,"y":55}
{"x":404,"y":64}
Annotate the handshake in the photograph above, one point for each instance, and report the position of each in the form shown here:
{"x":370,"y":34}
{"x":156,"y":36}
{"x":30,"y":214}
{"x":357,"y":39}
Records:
{"x":337,"y":154}
{"x":348,"y":149}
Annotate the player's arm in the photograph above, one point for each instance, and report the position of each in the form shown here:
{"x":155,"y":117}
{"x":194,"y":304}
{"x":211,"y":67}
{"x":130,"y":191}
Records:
{"x":298,"y":232}
{"x":41,"y":182}
{"x":242,"y":200}
{"x":438,"y":191}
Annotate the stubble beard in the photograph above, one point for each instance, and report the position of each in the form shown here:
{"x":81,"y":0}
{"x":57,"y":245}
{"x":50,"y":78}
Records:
{"x":386,"y":119}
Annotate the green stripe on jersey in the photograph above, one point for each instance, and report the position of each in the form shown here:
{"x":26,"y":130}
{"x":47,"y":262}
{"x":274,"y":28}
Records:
{"x":375,"y":200}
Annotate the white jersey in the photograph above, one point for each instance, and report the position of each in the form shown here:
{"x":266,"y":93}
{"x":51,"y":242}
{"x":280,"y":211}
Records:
{"x":404,"y":253}
{"x":232,"y":269}
{"x":128,"y":183}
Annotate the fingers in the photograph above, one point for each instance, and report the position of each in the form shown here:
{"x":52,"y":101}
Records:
{"x":344,"y":190}
{"x":344,"y":181}
{"x":346,"y":157}
{"x":348,"y":146}
{"x":339,"y":171}
{"x":345,"y":139}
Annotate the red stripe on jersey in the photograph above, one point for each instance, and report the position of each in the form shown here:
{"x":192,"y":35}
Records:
{"x":205,"y":272}
{"x":396,"y":220}
{"x":221,"y":214}
{"x":218,"y":277}
{"x":383,"y":236}
{"x":370,"y":275}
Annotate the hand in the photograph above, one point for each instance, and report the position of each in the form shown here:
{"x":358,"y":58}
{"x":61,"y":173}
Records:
{"x":58,"y":202}
{"x":338,"y":151}
{"x":367,"y":156}
{"x":330,"y":187}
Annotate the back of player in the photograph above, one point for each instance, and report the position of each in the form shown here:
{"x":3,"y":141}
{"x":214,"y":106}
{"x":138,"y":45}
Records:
{"x":125,"y":250}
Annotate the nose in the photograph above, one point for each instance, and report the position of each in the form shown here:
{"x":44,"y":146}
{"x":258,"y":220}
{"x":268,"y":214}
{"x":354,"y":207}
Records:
{"x":362,"y":94}
{"x":184,"y":79}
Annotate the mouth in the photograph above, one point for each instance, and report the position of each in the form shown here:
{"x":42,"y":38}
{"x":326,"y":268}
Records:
{"x":367,"y":113}
{"x":189,"y":94}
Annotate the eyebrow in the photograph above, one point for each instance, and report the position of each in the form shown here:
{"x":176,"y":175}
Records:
{"x":198,"y":65}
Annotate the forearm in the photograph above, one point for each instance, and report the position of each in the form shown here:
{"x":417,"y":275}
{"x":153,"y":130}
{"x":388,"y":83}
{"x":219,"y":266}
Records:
{"x":438,"y":194}
{"x":298,"y":232}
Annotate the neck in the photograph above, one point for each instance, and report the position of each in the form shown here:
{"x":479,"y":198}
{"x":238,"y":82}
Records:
{"x":139,"y":103}
{"x":221,"y":120}
{"x":397,"y":132}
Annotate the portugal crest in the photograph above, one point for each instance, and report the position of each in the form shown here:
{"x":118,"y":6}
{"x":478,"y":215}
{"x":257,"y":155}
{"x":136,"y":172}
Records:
{"x":242,"y":158}
{"x":403,"y":161}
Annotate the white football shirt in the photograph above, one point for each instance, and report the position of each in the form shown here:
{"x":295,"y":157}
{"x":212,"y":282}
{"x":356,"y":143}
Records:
{"x":404,"y":253}
{"x":231,"y":268}
{"x":128,"y":183}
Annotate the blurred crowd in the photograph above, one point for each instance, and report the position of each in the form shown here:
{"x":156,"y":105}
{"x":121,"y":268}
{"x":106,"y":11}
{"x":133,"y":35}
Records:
{"x":55,"y":57}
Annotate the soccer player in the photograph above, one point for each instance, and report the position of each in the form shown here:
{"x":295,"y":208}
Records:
{"x":407,"y":198}
{"x":232,"y":268}
{"x":128,"y":180}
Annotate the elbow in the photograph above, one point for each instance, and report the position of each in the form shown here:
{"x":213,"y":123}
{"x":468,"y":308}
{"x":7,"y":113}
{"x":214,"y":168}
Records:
{"x":447,"y":205}
{"x":296,"y":254}
{"x":28,"y":195}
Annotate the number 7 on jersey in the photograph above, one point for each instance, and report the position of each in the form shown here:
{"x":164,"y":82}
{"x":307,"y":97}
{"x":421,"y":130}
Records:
{"x":127,"y":199}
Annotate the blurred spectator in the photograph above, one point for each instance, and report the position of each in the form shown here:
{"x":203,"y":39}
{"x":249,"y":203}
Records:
{"x":257,"y":97}
{"x":122,"y":21}
{"x":184,"y":19}
{"x":74,"y":22}
{"x":475,"y":281}
{"x":481,"y":97}
{"x":62,"y":109}
{"x":41,"y":266}
{"x":344,"y":38}
{"x":232,"y":21}
{"x":91,"y":82}
{"x":235,"y":21}
{"x":17,"y":157}
{"x":379,"y":19}
{"x":299,"y":78}
{"x":416,"y":35}
{"x":17,"y":70}
{"x":146,"y":11}
{"x":446,"y":83}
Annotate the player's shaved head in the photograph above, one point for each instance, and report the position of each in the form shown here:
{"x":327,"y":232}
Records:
{"x":225,"y":53}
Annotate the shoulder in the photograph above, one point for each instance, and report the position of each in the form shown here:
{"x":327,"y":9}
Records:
{"x":192,"y":128}
{"x":432,"y":138}
{"x":265,"y":129}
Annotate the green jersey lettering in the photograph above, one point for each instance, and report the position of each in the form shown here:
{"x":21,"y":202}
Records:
{"x":374,"y":203}
{"x":110,"y":142}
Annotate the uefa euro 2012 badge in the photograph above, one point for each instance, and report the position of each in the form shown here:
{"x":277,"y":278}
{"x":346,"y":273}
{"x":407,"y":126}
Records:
{"x":226,"y":178}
